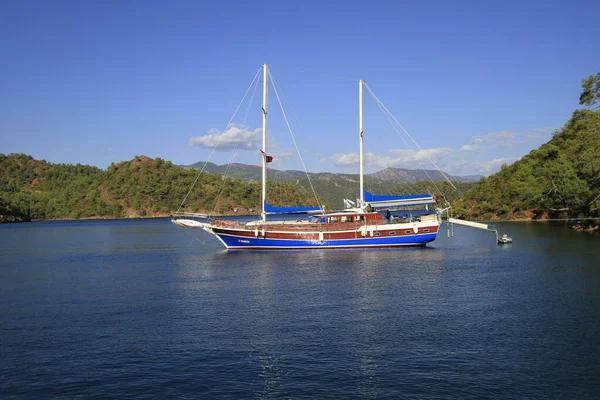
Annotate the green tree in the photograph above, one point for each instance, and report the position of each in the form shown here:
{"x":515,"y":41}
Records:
{"x":591,"y":91}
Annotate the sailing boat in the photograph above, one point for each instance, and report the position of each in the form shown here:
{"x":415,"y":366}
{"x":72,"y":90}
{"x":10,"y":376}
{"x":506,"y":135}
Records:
{"x":361,"y":226}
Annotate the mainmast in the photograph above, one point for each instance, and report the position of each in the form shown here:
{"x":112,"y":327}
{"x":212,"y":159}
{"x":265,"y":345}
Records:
{"x":360,"y":130}
{"x":264,"y":141}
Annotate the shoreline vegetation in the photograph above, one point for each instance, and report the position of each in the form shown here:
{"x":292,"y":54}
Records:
{"x":34,"y":190}
{"x":558,"y":181}
{"x":591,"y":225}
{"x":37,"y":190}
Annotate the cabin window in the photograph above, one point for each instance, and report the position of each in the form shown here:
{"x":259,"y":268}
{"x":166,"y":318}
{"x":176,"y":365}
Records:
{"x":408,"y":231}
{"x":334,"y":220}
{"x":346,"y":218}
{"x":426,"y":230}
{"x":360,"y":218}
{"x":392,"y":233}
{"x":376,"y":234}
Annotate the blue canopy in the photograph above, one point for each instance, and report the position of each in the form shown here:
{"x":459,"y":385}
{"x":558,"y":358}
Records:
{"x":369,"y":197}
{"x":269,"y":209}
{"x":379,"y":201}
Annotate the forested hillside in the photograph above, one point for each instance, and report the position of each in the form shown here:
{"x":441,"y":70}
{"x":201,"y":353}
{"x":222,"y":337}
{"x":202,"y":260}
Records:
{"x":33,"y":189}
{"x":560,"y":179}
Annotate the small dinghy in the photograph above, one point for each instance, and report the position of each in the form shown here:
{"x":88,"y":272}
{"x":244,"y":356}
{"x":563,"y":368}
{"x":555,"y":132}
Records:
{"x":504,"y":239}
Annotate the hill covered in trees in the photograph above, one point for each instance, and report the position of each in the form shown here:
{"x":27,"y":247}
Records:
{"x":560,"y":179}
{"x":34,"y":189}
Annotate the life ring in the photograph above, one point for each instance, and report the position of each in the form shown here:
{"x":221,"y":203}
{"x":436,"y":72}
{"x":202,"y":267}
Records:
{"x":363,"y":231}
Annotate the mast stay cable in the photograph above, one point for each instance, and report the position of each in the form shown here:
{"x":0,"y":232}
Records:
{"x":391,"y":118}
{"x":219,"y":141}
{"x":275,"y":86}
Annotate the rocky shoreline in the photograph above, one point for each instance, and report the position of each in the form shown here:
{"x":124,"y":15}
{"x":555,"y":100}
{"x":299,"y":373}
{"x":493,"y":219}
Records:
{"x":9,"y":216}
{"x":586,"y":227}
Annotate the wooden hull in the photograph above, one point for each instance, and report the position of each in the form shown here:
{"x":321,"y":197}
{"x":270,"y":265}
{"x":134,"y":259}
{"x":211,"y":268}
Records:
{"x":295,"y":238}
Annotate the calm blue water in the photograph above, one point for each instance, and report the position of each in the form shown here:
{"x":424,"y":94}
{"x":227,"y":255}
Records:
{"x":140,"y":309}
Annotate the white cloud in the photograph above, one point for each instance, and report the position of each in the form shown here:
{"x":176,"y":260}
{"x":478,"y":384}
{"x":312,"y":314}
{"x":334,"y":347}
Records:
{"x":510,"y":146}
{"x":509,"y":140}
{"x":503,"y":135}
{"x":490,"y":167}
{"x":470,"y":147}
{"x":469,"y":167}
{"x":544,"y":133}
{"x":422,"y":155}
{"x":345,"y":159}
{"x":546,"y":130}
{"x":502,"y":139}
{"x":499,"y":148}
{"x":400,"y":158}
{"x":235,"y":137}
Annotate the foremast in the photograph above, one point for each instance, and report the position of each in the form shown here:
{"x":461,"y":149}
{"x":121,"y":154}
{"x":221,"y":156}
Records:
{"x":264,"y":142}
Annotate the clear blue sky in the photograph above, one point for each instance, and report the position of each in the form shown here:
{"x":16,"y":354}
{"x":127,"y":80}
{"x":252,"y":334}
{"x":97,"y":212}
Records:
{"x":477,"y":83}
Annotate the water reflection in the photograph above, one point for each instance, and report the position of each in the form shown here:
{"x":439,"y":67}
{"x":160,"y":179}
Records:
{"x":298,"y":300}
{"x":139,"y":301}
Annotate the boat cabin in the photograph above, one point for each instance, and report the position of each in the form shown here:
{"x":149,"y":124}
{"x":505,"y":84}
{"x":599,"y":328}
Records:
{"x":345,"y":218}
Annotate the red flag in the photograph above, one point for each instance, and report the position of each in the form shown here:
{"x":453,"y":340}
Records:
{"x":268,"y":158}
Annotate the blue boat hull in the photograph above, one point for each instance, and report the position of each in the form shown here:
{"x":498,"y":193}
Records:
{"x":234,"y":242}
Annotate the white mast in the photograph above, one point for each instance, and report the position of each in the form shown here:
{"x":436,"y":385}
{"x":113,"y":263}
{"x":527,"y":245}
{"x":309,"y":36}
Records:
{"x":264,"y":142}
{"x":360,"y":130}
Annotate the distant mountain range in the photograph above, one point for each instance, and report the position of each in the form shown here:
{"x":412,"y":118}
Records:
{"x":252,"y":173}
{"x":332,"y":188}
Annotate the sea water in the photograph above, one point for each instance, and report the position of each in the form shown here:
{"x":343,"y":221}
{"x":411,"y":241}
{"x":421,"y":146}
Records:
{"x":144,"y":309}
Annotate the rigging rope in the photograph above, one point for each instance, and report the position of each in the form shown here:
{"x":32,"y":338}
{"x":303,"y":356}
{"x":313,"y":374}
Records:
{"x":274,"y":84}
{"x":407,"y":134}
{"x":219,"y":141}
{"x":232,"y":154}
{"x":395,"y":128}
{"x":401,"y":137}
